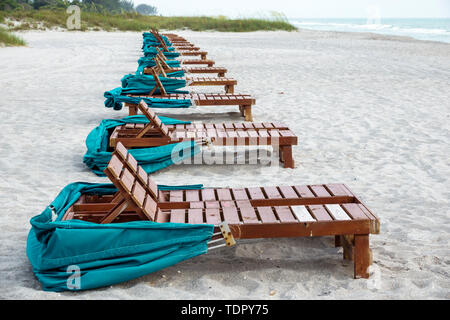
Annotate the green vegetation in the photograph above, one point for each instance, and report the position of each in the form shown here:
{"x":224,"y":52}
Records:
{"x":101,"y":6}
{"x":122,"y":15}
{"x":34,"y":19}
{"x":8,"y":39}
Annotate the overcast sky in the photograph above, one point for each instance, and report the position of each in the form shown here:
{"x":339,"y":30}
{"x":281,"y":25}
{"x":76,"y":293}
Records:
{"x":304,"y":8}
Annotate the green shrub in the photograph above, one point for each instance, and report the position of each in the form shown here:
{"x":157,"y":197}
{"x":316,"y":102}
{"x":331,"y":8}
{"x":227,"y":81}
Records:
{"x":8,"y":39}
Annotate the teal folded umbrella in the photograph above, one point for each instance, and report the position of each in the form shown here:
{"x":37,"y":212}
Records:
{"x":149,"y":62}
{"x":117,"y":96}
{"x":150,"y":51}
{"x":79,"y":255}
{"x":143,"y":84}
{"x":151,"y":159}
{"x":150,"y":38}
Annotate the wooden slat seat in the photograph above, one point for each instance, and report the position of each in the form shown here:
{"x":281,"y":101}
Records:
{"x":208,"y":62}
{"x":244,"y":101}
{"x":202,"y":54}
{"x":257,"y":212}
{"x":207,"y":70}
{"x":227,"y":83}
{"x":230,"y":134}
{"x":187,"y":47}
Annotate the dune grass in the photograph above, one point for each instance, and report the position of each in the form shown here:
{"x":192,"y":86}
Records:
{"x":9,"y":40}
{"x":38,"y":19}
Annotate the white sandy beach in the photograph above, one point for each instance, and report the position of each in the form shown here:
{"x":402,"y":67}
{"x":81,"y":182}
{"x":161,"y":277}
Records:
{"x":370,"y":111}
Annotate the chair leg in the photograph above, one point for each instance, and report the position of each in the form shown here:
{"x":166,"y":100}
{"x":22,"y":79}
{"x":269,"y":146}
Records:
{"x":286,"y":156}
{"x":337,"y":241}
{"x":248,"y":113}
{"x":361,"y":256}
{"x":229,"y":88}
{"x":347,"y":246}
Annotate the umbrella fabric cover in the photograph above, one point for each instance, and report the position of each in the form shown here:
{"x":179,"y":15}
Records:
{"x":117,"y":96}
{"x":143,"y":84}
{"x":145,"y":62}
{"x":151,"y":159}
{"x":80,"y":255}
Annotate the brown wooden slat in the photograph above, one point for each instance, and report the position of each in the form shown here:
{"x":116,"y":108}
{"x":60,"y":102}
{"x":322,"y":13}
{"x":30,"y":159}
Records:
{"x":127,"y":180}
{"x":320,"y":213}
{"x":175,"y":195}
{"x":354,"y":211}
{"x":230,"y":215}
{"x":255,"y":193}
{"x":213,"y":216}
{"x":248,"y":214}
{"x":178,"y":216}
{"x":304,"y":191}
{"x":150,"y":207}
{"x":224,"y":194}
{"x":195,"y":216}
{"x":139,"y":194}
{"x":208,"y":194}
{"x":239,"y":194}
{"x":320,"y":191}
{"x":212,"y":204}
{"x":288,"y":192}
{"x":266,"y":214}
{"x":192,"y":195}
{"x":115,"y":165}
{"x":284,"y":214}
{"x":272,"y":192}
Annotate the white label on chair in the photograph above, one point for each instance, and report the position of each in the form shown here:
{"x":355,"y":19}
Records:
{"x":302,"y":214}
{"x":337,"y":212}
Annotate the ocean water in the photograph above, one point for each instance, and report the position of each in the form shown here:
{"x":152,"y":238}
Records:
{"x":422,"y":29}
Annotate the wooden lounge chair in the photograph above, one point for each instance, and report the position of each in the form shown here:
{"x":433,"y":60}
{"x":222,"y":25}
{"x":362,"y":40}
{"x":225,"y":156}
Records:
{"x":202,"y":54}
{"x":209,"y":63}
{"x":219,"y":70}
{"x":187,"y":48}
{"x":155,"y":133}
{"x":161,"y":68}
{"x":173,"y":37}
{"x":244,"y":101}
{"x":262,"y":212}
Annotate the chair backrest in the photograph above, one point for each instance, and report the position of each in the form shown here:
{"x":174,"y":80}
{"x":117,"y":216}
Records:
{"x":136,"y":170}
{"x":153,"y":118}
{"x":158,"y":68}
{"x":160,"y":39}
{"x":160,"y":54}
{"x":158,"y":83}
{"x":131,"y":188}
{"x":162,"y":64}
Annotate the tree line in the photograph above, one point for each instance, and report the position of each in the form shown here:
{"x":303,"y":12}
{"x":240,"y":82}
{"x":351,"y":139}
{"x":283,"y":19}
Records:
{"x":100,"y":6}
